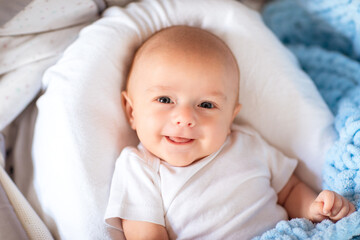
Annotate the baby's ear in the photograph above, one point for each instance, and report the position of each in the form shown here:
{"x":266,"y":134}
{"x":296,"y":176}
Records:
{"x":236,"y":110}
{"x":128,"y":108}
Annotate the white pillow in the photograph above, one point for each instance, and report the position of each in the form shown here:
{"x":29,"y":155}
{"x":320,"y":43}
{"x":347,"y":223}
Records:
{"x":81,"y":128}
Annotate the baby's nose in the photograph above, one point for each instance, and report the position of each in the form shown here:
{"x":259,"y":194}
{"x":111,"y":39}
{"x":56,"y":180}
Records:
{"x":185,"y":117}
{"x":185,"y":123}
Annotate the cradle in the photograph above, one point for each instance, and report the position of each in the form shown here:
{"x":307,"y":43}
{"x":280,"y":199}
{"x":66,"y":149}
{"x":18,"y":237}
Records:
{"x":24,"y":132}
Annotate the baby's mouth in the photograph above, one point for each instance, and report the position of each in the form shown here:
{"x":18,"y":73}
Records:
{"x":179,"y":140}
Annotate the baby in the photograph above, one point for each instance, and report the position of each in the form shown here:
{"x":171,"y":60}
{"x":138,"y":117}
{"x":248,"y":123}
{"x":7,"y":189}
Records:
{"x":195,"y":174}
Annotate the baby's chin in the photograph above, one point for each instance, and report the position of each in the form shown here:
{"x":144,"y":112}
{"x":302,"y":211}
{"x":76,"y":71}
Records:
{"x":181,"y":162}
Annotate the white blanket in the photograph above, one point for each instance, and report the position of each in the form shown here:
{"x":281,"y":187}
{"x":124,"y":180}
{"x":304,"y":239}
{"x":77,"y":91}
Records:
{"x":31,"y":42}
{"x":33,"y":36}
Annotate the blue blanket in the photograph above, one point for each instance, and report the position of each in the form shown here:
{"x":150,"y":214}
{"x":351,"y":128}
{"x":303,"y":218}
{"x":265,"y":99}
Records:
{"x":325,"y":37}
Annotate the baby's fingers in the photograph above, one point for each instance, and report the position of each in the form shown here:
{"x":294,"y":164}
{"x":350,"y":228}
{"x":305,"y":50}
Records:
{"x":340,"y":209}
{"x":316,"y":212}
{"x":328,"y":199}
{"x":346,"y":210}
{"x":352,"y":209}
{"x":335,"y":205}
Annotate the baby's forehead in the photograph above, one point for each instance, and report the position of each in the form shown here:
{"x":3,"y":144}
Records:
{"x":185,"y":39}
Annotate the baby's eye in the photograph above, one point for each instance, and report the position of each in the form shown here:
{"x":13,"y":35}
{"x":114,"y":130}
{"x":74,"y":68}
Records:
{"x":206,"y":105}
{"x":164,"y":100}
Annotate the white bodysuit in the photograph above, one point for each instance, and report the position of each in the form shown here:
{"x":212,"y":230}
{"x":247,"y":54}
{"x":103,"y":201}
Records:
{"x":231,"y":194}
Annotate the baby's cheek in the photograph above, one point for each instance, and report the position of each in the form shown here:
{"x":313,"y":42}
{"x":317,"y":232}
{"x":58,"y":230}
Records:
{"x":219,"y":135}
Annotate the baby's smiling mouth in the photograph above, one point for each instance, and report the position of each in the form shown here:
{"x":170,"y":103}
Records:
{"x":179,"y":140}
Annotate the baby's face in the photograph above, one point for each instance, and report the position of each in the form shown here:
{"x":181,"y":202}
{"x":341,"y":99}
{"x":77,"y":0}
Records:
{"x":181,"y":105}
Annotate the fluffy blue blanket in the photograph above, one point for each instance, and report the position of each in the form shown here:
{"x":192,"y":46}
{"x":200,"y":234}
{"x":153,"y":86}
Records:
{"x":325,"y":37}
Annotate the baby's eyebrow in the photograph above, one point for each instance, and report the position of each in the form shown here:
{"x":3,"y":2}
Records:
{"x":218,"y":94}
{"x":159,"y":88}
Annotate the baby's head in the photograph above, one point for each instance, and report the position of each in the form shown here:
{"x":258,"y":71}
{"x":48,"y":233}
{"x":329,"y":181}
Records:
{"x":182,"y":94}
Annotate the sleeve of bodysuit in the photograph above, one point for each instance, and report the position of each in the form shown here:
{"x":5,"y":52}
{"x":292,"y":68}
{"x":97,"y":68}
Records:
{"x":280,"y":166}
{"x":135,"y":190}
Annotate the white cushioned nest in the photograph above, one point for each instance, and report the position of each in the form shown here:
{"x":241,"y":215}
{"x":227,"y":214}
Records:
{"x":81,"y":128}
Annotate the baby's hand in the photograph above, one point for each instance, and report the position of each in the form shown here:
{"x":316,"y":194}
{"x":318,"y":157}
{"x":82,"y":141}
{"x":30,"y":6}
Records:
{"x":331,"y":205}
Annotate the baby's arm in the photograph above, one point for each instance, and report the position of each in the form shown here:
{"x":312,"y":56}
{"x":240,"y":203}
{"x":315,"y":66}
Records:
{"x":301,"y":201}
{"x":143,"y":230}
